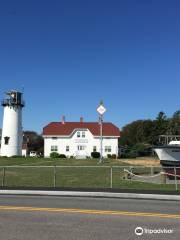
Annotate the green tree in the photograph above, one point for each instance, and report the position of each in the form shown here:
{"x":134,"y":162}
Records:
{"x":140,"y":131}
{"x":160,"y":126}
{"x":161,"y":117}
{"x":35,"y":142}
{"x":174,"y":124}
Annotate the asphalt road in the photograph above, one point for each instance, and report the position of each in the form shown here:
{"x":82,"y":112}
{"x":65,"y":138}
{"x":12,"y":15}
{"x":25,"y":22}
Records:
{"x":66,"y":218}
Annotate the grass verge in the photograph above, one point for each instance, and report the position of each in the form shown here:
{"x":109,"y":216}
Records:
{"x":68,"y":173}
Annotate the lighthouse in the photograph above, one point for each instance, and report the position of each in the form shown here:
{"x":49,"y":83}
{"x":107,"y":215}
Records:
{"x":12,"y":134}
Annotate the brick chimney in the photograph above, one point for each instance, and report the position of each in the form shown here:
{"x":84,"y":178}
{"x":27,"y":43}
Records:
{"x":63,"y":119}
{"x":81,"y":119}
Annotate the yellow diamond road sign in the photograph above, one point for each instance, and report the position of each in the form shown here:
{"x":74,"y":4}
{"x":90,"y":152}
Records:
{"x":101,"y":109}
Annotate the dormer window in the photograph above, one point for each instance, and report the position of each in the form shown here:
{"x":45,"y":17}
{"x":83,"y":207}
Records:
{"x":78,"y":134}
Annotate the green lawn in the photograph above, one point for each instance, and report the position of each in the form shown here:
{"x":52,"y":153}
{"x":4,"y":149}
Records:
{"x":29,"y":161}
{"x":68,"y":173}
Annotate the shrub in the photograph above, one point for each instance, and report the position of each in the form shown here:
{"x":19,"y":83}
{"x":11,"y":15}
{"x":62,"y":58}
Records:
{"x":109,"y":155}
{"x":95,"y":155}
{"x":62,"y":156}
{"x":128,"y":152}
{"x":114,"y":156}
{"x":143,"y":149}
{"x":54,"y":155}
{"x":131,"y":154}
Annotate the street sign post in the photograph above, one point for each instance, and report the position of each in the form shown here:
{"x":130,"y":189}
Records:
{"x":101,"y":110}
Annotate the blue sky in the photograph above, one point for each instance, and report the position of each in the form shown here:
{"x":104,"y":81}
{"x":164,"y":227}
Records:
{"x":68,"y":55}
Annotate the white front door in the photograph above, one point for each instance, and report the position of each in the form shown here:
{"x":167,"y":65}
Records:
{"x":81,"y":150}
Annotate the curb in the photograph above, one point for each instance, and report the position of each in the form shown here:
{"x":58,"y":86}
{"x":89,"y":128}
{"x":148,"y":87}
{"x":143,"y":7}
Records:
{"x":92,"y":194}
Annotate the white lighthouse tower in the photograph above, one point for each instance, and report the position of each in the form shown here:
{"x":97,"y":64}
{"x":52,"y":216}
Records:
{"x":12,"y":135}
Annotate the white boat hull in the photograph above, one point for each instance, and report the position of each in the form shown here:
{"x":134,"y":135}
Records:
{"x":168,"y":154}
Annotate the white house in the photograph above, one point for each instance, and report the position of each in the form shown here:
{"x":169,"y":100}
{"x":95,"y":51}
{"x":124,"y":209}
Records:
{"x":79,"y":139}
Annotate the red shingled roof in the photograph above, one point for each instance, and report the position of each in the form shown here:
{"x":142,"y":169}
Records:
{"x":66,"y":129}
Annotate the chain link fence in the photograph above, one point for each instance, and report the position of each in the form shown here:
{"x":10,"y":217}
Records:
{"x":117,"y":177}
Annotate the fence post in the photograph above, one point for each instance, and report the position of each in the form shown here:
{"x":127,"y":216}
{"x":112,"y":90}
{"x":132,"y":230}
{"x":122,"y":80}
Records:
{"x":152,"y":170}
{"x":163,"y":178}
{"x":3,"y":177}
{"x":111,"y":177}
{"x":54,"y":176}
{"x":125,"y":175}
{"x":175,"y":178}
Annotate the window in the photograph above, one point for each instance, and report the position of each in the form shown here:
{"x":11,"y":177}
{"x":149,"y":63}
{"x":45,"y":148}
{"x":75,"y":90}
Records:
{"x":81,"y":147}
{"x":94,"y":149}
{"x":78,"y":134}
{"x":6,"y":140}
{"x":54,"y":148}
{"x":83,"y":135}
{"x":67,"y":148}
{"x":54,"y":138}
{"x":107,"y":148}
